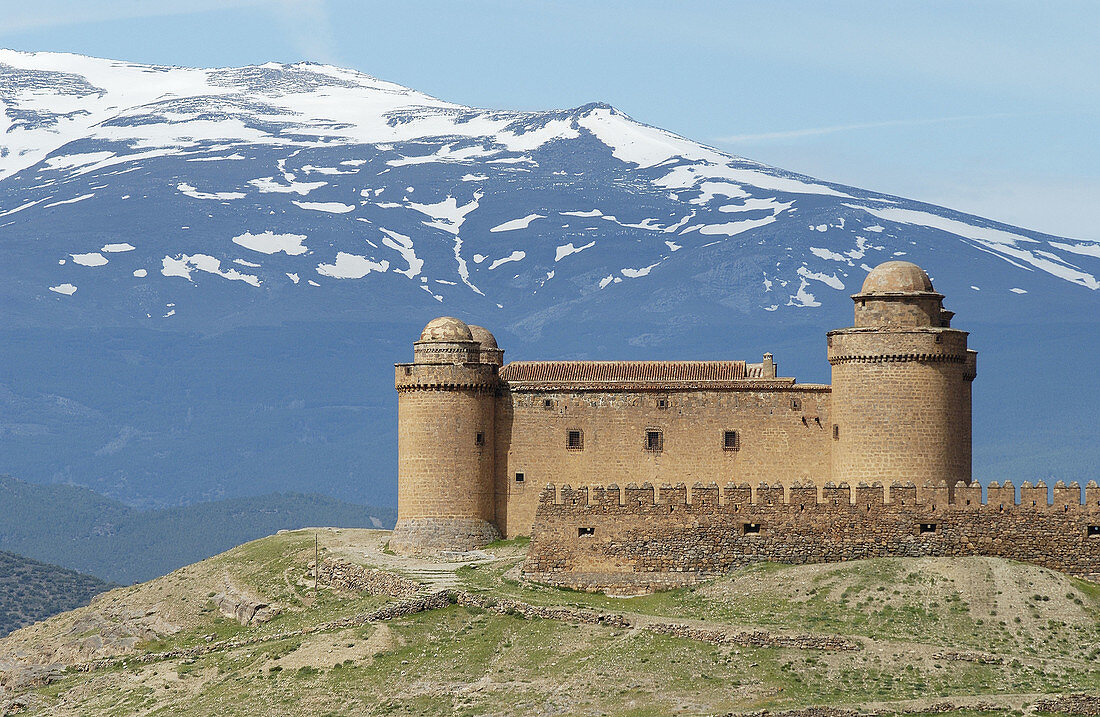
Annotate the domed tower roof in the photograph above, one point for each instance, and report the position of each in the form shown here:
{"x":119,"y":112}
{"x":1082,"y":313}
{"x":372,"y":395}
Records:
{"x":483,"y":337}
{"x":897,"y":277}
{"x":446,"y":329}
{"x":490,"y":353}
{"x":900,"y":294}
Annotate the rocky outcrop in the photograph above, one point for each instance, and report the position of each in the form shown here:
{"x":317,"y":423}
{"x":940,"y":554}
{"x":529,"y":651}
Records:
{"x":246,"y":609}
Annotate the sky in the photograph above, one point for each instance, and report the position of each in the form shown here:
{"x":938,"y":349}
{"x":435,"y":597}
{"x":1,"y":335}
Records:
{"x":992,"y":108}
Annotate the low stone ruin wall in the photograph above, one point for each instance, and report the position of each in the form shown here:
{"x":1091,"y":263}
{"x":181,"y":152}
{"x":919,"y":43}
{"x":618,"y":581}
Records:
{"x":357,"y":579}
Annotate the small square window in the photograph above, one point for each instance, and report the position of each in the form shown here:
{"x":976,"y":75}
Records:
{"x":479,"y":439}
{"x":751,"y":528}
{"x":582,"y":532}
{"x":731,"y":441}
{"x":927,"y":528}
{"x":574,"y":440}
{"x":662,"y":403}
{"x":796,"y":404}
{"x":519,"y":477}
{"x":547,"y":403}
{"x":654,"y":441}
{"x":1093,"y":531}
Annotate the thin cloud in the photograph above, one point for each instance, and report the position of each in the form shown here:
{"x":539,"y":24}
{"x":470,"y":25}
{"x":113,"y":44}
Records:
{"x":818,"y":131}
{"x":21,"y":17}
{"x":309,"y":27}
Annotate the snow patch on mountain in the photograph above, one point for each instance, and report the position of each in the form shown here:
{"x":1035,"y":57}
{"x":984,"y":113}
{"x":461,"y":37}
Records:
{"x":351,"y":266}
{"x":330,"y":207}
{"x":568,"y":249}
{"x":403,"y":245}
{"x":74,"y":200}
{"x":268,"y":185}
{"x":269,"y":242}
{"x":182,"y":265}
{"x":514,"y":224}
{"x":187,"y":189}
{"x":516,"y":255}
{"x":90,"y":259}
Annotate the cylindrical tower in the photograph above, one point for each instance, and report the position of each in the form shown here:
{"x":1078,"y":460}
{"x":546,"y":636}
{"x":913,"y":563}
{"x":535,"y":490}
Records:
{"x":445,"y":428}
{"x":901,"y":384}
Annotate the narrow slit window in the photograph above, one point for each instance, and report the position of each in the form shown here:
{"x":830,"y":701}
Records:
{"x":479,"y":439}
{"x":796,"y":404}
{"x":574,"y":440}
{"x":519,"y":477}
{"x":582,"y":532}
{"x":751,"y":528}
{"x":927,"y":528}
{"x":731,"y":441}
{"x":836,"y":432}
{"x":654,"y":440}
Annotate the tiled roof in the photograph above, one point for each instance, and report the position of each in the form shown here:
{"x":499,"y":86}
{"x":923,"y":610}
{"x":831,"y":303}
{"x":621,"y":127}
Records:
{"x":624,"y":371}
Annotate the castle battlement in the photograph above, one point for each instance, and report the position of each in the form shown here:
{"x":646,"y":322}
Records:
{"x":735,"y":497}
{"x":650,"y":537}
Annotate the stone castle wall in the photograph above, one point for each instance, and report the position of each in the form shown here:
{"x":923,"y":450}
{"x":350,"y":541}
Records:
{"x":783,"y":431}
{"x":646,"y":538}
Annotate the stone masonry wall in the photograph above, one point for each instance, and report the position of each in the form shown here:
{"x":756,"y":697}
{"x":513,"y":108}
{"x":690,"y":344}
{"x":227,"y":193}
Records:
{"x":783,"y":433}
{"x":646,"y":538}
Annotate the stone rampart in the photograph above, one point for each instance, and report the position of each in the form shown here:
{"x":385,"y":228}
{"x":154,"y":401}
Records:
{"x":642,"y":538}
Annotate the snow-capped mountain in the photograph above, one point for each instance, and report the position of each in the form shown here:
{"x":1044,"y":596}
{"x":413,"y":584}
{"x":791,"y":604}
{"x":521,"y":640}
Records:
{"x":206,"y":273}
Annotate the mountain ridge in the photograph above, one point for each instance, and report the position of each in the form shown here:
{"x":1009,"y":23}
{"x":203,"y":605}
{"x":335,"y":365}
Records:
{"x":239,"y":255}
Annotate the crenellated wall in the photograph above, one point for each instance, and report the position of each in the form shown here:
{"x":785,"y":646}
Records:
{"x":641,"y":538}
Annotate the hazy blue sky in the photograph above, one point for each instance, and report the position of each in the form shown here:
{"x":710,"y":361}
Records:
{"x":988,"y":107}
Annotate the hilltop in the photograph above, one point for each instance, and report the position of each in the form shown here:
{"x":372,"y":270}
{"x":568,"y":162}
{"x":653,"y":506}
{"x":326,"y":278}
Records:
{"x":239,"y":255}
{"x":245,"y":633}
{"x":31,"y":591}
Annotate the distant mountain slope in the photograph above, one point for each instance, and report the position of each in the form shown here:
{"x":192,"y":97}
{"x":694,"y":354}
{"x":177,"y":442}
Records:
{"x":206,"y":274}
{"x":31,"y":591}
{"x":79,"y":529}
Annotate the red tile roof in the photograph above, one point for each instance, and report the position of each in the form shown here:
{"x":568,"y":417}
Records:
{"x":671,"y":372}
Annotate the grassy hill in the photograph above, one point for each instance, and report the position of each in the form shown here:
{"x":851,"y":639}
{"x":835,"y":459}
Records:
{"x":82,"y":530}
{"x":32,"y":591}
{"x":888,"y":636}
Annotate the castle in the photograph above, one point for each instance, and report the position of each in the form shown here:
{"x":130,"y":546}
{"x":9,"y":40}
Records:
{"x":479,"y":442}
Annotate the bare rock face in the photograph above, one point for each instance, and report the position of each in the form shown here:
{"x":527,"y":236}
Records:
{"x":96,"y":634}
{"x":246,"y":609}
{"x":18,"y":675}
